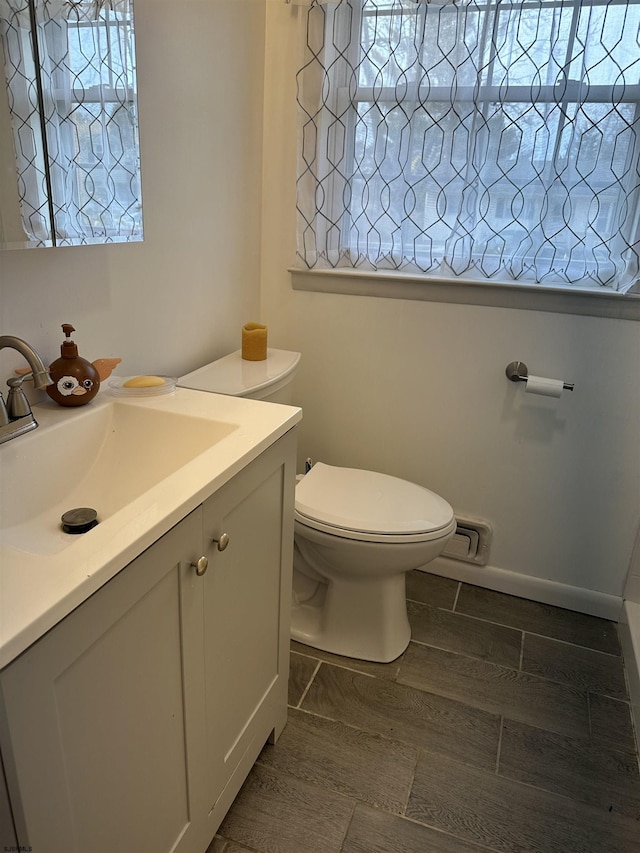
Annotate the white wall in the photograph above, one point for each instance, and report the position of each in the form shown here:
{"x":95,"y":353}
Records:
{"x":418,"y":390}
{"x":632,"y":587}
{"x":630,"y":633}
{"x":178,"y":299}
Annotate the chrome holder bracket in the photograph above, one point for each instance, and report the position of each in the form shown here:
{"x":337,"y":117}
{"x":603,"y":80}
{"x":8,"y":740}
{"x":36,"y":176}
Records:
{"x":517,"y":371}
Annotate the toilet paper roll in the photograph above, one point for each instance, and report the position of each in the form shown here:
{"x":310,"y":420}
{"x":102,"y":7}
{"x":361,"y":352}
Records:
{"x":254,"y":342}
{"x":544,"y":386}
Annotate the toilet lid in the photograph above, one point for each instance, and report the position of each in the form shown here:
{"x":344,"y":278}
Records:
{"x":237,"y":377}
{"x":370,"y":503}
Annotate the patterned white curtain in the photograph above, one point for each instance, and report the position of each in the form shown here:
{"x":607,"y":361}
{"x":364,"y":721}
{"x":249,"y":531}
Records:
{"x":491,"y":139}
{"x":78,"y":170}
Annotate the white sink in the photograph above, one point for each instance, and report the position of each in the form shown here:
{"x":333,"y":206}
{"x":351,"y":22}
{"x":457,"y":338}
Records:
{"x":142,"y":464}
{"x":102,"y":457}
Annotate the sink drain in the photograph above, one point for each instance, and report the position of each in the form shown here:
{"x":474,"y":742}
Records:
{"x":79,"y":520}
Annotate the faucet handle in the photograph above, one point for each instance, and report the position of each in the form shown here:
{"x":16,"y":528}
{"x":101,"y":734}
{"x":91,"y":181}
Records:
{"x":17,"y":403}
{"x":4,"y":415}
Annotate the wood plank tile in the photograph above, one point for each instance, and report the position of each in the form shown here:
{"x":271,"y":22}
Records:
{"x":301,"y":668}
{"x":275,"y":813}
{"x":221,"y":845}
{"x":374,"y":831}
{"x":497,"y":689}
{"x":573,"y":767}
{"x":508,"y":816}
{"x":611,"y":723}
{"x":402,"y":713}
{"x":458,"y":633}
{"x":584,"y":668}
{"x":578,"y":628}
{"x":431,"y":589}
{"x":358,"y":764}
{"x":380,"y":670}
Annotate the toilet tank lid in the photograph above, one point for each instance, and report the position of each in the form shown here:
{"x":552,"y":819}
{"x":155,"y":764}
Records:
{"x":237,"y":377}
{"x":369,"y":502}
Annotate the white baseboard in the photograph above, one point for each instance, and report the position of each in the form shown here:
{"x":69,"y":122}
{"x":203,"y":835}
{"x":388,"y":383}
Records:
{"x":629,"y":631}
{"x":525,"y":586}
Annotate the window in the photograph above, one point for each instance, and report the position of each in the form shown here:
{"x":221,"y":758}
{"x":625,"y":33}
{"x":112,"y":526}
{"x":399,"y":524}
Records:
{"x":491,"y":140}
{"x":75,"y":129}
{"x":102,"y":113}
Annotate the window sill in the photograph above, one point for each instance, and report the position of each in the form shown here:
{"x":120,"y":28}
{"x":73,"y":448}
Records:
{"x":528,"y":297}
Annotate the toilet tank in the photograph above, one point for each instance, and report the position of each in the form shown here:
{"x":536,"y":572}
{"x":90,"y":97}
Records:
{"x":270,"y":379}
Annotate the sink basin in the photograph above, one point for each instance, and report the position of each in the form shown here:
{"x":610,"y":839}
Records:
{"x":103,"y":458}
{"x":143,"y":464}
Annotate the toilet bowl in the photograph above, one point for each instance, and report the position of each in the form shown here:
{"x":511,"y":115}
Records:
{"x":356,"y":533}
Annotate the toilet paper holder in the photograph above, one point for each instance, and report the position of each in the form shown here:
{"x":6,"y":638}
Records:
{"x":518,"y":371}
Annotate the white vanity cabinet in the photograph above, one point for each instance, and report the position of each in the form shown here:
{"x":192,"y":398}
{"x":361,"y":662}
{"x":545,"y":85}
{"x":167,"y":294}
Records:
{"x":247,"y":601}
{"x":131,"y":725}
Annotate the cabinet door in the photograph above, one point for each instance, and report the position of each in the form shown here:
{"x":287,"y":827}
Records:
{"x":247,"y":617}
{"x":96,"y":734}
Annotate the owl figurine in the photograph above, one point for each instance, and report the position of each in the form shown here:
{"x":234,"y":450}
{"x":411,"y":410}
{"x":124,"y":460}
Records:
{"x":74,"y":380}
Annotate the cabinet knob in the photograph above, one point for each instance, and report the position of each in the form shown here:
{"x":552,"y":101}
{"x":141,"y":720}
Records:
{"x":201,"y":566}
{"x":222,"y":542}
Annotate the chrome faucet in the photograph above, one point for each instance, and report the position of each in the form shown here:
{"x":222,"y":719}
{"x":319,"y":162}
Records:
{"x":16,"y":416}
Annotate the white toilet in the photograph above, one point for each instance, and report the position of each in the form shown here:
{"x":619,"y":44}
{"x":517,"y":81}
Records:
{"x":357,"y":533}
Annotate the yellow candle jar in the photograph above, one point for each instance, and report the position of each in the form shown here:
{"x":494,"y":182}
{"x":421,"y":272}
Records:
{"x":254,"y":342}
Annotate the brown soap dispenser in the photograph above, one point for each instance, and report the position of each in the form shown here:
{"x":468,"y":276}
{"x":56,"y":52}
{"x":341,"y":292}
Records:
{"x":75,"y":381}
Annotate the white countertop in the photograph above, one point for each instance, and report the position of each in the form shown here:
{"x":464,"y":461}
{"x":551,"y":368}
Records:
{"x":37,"y":590}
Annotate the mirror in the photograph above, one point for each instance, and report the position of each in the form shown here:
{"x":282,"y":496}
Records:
{"x":69,"y":150}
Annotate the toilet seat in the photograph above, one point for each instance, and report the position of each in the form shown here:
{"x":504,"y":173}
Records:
{"x":369,"y":506}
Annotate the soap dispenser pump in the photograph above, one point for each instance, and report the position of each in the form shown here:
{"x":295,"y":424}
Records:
{"x":75,"y":381}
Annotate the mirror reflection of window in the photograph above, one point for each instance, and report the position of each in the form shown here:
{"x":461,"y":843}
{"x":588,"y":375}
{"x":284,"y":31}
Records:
{"x":72,"y":104}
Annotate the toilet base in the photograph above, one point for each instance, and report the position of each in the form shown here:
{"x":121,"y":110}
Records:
{"x":366,"y":620}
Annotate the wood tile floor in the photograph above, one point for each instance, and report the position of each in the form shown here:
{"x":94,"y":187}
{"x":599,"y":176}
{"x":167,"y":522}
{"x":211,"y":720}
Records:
{"x":504,"y":727}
